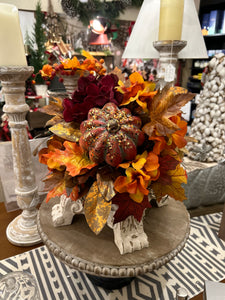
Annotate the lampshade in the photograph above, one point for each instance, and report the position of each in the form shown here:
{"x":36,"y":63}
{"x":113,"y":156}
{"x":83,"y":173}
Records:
{"x":146,"y":29}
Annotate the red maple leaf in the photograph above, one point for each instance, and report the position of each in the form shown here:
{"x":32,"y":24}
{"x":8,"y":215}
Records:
{"x":167,"y":163}
{"x":129,"y":207}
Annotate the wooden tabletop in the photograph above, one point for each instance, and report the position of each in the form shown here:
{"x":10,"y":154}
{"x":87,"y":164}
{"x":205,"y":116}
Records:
{"x":8,"y":250}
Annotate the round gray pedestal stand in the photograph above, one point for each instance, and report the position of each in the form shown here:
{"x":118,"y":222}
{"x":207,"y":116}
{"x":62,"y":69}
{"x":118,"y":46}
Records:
{"x":77,"y":246}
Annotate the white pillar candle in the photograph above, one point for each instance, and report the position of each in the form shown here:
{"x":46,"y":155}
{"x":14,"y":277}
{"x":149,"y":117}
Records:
{"x":12,"y":52}
{"x":171,"y":19}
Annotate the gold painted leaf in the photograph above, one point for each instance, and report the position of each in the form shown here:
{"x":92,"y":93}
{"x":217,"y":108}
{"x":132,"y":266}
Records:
{"x":56,"y":119}
{"x":96,"y":209}
{"x":67,"y":131}
{"x":106,"y":188}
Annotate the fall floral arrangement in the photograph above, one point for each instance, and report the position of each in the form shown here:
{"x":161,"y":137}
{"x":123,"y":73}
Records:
{"x":70,"y":67}
{"x":116,"y":142}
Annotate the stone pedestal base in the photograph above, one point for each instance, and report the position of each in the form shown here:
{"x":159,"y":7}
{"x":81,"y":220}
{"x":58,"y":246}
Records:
{"x":166,"y":227}
{"x":110,"y":283}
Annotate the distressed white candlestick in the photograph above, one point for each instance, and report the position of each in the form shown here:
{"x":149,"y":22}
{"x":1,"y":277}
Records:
{"x":22,"y":231}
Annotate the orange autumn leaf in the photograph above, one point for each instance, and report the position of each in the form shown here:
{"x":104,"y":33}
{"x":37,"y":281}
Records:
{"x":159,"y":143}
{"x":55,"y":184}
{"x":96,"y":209}
{"x":163,"y":106}
{"x":174,"y":189}
{"x":58,"y":190}
{"x":46,"y":154}
{"x":74,"y":158}
{"x":178,"y":137}
{"x":74,"y":195}
{"x":52,"y":163}
{"x":42,"y":156}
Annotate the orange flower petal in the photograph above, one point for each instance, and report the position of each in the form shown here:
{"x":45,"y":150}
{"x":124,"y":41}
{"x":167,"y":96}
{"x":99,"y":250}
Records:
{"x":136,"y":78}
{"x":143,"y":186}
{"x":132,"y":187}
{"x":152,"y":162}
{"x":138,"y":197}
{"x":120,"y":184}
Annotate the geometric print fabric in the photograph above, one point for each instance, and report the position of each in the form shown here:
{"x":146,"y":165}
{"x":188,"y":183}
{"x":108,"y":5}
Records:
{"x":202,"y":258}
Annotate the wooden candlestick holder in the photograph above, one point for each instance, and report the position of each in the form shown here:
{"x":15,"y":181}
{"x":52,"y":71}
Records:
{"x":22,"y":231}
{"x":168,"y":55}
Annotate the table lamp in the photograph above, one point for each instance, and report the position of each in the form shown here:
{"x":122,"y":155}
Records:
{"x":22,"y":231}
{"x":98,"y":28}
{"x":166,"y":30}
{"x":98,"y":39}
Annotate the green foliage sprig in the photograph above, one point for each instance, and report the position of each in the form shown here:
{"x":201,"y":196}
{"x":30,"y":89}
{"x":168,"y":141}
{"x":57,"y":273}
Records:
{"x":36,"y":43}
{"x":93,"y":8}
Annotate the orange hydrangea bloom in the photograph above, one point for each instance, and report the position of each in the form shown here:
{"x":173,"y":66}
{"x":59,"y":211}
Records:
{"x":142,"y":171}
{"x":139,"y":90}
{"x":47,"y":71}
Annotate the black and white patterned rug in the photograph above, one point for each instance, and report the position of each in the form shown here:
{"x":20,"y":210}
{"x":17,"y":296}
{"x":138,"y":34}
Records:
{"x":202,"y":258}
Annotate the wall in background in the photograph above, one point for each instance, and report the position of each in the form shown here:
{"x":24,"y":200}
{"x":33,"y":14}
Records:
{"x":31,"y":4}
{"x":26,"y":23}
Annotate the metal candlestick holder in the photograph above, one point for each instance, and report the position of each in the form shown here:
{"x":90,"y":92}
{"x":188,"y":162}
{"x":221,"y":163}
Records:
{"x":168,"y":55}
{"x":22,"y":231}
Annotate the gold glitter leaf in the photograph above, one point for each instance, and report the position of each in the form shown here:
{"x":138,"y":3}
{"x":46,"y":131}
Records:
{"x":66,"y":131}
{"x":96,"y":209}
{"x":106,"y":188}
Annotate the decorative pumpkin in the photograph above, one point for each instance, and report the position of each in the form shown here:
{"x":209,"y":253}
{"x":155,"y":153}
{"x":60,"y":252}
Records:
{"x":111,"y":134}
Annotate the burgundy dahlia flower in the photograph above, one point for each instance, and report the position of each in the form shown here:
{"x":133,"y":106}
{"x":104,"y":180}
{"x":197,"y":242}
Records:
{"x":91,"y":92}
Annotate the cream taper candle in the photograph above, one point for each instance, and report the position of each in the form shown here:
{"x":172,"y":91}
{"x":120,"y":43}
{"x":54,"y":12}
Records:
{"x":171,"y":19}
{"x":12,"y":52}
